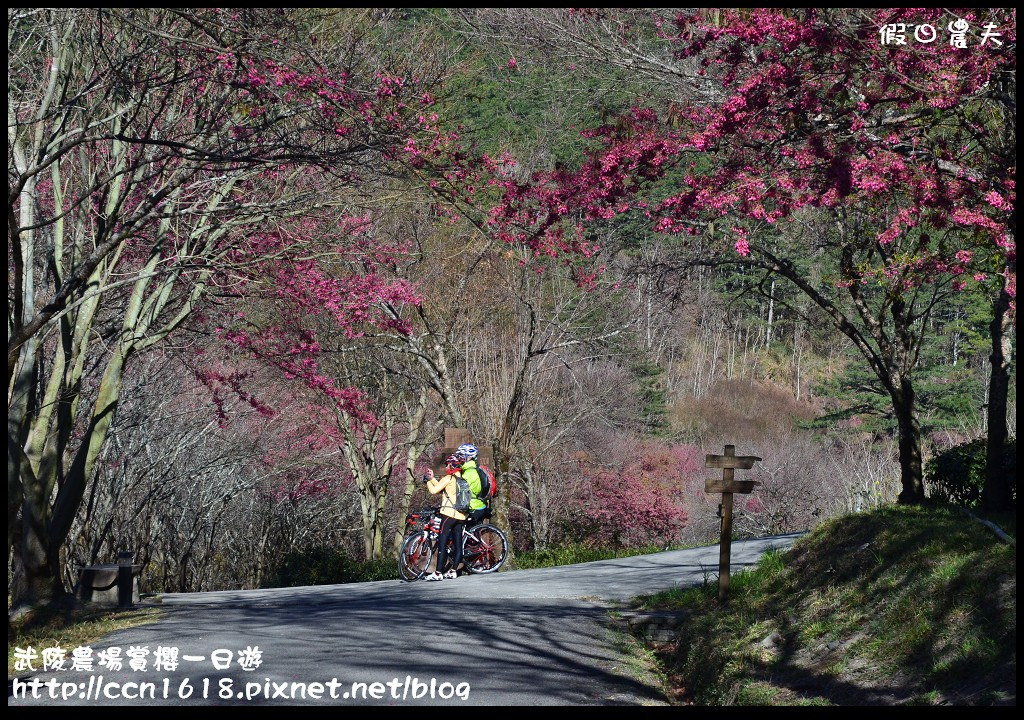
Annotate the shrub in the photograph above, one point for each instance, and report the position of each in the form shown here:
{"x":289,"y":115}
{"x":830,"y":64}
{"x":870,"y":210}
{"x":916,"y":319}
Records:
{"x":574,"y":553}
{"x":641,"y":503}
{"x":320,"y":565}
{"x":957,"y":475}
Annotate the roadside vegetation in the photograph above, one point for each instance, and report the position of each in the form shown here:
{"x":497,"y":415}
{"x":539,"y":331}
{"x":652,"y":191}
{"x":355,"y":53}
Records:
{"x":578,"y":553}
{"x":49,"y":627}
{"x":895,"y":606}
{"x":329,"y":566}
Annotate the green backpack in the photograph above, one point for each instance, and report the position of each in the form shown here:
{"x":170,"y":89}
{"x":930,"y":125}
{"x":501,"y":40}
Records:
{"x":463,"y":495}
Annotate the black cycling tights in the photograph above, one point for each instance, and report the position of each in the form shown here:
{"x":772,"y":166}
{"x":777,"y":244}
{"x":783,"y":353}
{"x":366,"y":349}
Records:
{"x":450,"y":527}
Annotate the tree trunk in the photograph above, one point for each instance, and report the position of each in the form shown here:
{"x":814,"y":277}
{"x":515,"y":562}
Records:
{"x":909,"y":443}
{"x":36,"y":578}
{"x":996,"y":495}
{"x":503,"y":503}
{"x":46,"y":521}
{"x":372,"y":501}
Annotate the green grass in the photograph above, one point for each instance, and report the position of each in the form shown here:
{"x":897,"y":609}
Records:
{"x":901,"y":605}
{"x":329,"y":566}
{"x":578,"y":553}
{"x":48,"y":627}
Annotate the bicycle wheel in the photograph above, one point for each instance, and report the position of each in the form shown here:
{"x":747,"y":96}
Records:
{"x":414,"y":559}
{"x":484,"y":549}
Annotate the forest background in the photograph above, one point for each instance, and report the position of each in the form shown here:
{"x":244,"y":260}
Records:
{"x":258,"y":260}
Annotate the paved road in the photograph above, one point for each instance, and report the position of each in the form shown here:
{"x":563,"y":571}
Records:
{"x":532,"y":637}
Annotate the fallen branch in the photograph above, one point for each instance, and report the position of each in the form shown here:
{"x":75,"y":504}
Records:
{"x":993,"y":527}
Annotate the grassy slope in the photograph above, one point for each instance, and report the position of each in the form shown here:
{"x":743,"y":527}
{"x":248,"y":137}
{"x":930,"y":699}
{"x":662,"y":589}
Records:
{"x":902,"y":605}
{"x":47,"y":628}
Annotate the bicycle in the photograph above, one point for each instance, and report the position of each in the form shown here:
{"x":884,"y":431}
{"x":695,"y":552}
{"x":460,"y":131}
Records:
{"x":484,"y":547}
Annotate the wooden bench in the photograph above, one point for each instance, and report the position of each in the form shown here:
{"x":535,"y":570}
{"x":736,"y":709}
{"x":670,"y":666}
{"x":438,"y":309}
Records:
{"x":110,"y":584}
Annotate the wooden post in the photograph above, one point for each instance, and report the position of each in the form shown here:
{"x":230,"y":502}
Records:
{"x":725,"y":540}
{"x":728,"y":485}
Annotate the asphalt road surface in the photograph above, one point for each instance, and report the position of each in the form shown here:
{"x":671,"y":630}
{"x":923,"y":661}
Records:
{"x":530,"y":637}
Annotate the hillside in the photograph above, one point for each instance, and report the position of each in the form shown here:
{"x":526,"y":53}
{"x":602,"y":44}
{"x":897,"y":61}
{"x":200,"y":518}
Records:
{"x":896,"y":606}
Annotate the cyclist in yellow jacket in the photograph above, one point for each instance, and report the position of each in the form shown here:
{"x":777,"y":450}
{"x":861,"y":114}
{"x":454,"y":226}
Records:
{"x":453,"y":522}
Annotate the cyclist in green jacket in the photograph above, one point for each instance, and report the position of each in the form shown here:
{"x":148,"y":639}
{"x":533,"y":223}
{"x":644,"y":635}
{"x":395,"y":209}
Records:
{"x":468,"y":454}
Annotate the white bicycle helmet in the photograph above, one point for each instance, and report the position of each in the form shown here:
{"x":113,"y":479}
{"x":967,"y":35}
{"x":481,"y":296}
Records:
{"x":467,"y":452}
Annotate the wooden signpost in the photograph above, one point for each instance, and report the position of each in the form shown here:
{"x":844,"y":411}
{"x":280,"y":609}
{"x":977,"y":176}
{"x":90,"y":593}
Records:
{"x":453,"y":437}
{"x":729,"y":462}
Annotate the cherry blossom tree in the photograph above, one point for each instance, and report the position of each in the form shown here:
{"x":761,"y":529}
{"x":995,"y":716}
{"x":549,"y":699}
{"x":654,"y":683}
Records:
{"x":642,"y":502}
{"x":158,"y":159}
{"x":791,"y":132}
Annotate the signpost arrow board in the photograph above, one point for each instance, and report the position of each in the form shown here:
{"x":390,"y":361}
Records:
{"x":729,"y":462}
{"x":738,"y":462}
{"x":736,"y":486}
